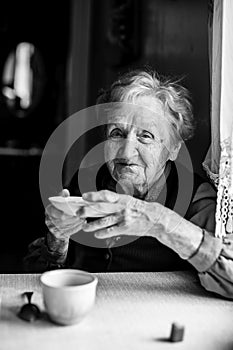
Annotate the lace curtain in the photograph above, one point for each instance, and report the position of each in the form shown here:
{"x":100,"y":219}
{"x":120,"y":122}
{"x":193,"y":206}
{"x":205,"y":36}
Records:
{"x":219,"y":159}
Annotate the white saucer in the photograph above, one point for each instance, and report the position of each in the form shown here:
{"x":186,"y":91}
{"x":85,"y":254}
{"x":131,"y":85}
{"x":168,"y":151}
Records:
{"x":69,"y":205}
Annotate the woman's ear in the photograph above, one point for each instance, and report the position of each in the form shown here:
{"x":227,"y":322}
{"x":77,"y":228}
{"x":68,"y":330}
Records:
{"x":174,"y":152}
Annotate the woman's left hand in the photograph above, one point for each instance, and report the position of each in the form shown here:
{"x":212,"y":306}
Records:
{"x":120,"y":215}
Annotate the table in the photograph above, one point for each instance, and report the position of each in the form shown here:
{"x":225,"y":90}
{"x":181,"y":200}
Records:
{"x":132,"y":311}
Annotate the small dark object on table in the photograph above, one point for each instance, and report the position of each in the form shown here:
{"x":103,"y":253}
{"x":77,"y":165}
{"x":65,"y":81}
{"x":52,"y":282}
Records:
{"x":29,"y":312}
{"x":177,"y":332}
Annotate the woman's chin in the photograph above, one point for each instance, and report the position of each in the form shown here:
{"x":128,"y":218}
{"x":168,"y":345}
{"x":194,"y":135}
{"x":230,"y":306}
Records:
{"x":128,"y":180}
{"x":124,"y":175}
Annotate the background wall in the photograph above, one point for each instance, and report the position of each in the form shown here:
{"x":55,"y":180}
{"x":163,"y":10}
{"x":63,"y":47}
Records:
{"x":46,"y":25}
{"x":84,"y":45}
{"x":167,"y":35}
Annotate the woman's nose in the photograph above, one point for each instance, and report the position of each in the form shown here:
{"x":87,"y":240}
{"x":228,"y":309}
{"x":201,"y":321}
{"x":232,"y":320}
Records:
{"x":128,"y":148}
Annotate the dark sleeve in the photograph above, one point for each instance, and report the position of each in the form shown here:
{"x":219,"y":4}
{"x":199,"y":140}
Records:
{"x":39,"y":258}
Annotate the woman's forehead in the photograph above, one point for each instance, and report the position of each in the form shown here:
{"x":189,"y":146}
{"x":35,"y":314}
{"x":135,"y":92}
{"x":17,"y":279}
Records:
{"x":146,"y":114}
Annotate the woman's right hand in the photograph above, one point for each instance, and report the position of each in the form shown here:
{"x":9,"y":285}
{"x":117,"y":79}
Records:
{"x":61,"y":225}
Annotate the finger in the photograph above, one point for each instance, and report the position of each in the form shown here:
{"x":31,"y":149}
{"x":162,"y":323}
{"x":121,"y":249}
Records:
{"x":102,"y":223}
{"x":99,"y":210}
{"x":66,"y":231}
{"x":112,"y":231}
{"x":69,"y":221}
{"x":55,"y":213}
{"x":101,"y":196}
{"x":64,"y":193}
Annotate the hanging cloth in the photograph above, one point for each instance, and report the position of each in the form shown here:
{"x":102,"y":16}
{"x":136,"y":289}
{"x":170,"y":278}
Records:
{"x":219,"y":159}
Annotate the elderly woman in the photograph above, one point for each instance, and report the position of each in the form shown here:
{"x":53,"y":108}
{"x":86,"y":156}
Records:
{"x":135,"y":205}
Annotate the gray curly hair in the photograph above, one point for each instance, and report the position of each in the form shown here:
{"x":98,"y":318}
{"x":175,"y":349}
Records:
{"x":174,"y":98}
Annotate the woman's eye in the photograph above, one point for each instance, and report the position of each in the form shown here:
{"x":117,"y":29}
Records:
{"x":146,"y":136}
{"x":115,"y":134}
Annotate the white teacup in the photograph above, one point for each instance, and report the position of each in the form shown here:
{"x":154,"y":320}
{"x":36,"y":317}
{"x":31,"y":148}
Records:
{"x":68,"y":294}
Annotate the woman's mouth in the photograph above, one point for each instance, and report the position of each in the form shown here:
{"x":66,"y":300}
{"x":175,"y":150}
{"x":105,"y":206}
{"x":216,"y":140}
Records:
{"x":126,"y":167}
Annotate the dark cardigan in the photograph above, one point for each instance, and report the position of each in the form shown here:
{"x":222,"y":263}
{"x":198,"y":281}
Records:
{"x":142,"y":254}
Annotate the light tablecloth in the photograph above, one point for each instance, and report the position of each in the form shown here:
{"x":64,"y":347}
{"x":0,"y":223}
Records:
{"x":132,"y":311}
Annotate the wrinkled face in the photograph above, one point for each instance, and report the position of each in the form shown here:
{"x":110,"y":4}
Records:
{"x":138,"y":143}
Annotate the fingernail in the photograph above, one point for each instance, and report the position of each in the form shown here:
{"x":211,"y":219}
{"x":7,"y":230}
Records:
{"x":85,"y":223}
{"x":98,"y":235}
{"x":65,"y":193}
{"x":79,"y":212}
{"x":113,"y":197}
